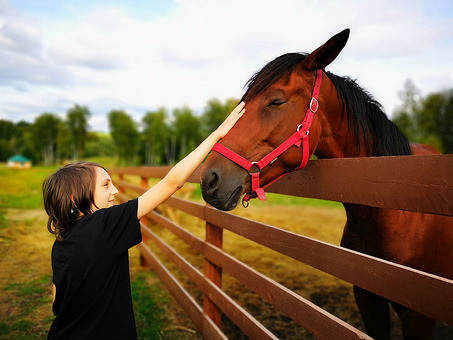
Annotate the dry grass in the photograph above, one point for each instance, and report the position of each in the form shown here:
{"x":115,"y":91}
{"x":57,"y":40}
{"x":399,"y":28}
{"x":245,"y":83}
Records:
{"x":25,"y":275}
{"x":328,"y":292}
{"x":322,"y":223}
{"x":25,"y":278}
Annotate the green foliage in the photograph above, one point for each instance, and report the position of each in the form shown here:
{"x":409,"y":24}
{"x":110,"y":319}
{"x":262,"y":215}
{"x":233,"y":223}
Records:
{"x":77,"y":125}
{"x":99,"y":144}
{"x":45,"y":136}
{"x":163,"y":138}
{"x":125,"y":135}
{"x":186,"y":129}
{"x":156,"y":135}
{"x":427,"y":120}
{"x":215,"y":113}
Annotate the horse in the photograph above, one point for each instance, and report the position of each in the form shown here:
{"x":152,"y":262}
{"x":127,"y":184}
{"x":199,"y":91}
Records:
{"x":342,"y":120}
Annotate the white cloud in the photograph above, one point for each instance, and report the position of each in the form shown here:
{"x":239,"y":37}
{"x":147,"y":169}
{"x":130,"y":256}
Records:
{"x":107,"y":59}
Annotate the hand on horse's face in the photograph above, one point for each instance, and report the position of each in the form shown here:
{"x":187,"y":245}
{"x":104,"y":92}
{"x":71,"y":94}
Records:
{"x":231,"y":120}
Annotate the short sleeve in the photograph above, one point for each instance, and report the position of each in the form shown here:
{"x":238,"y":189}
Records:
{"x":121,"y":227}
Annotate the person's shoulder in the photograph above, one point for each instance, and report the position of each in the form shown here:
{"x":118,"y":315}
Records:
{"x":118,"y":208}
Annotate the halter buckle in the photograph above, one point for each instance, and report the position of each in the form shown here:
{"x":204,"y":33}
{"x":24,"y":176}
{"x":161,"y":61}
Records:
{"x":314,"y":105}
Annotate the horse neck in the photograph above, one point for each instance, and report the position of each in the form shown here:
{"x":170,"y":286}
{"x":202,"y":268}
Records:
{"x":337,"y":138}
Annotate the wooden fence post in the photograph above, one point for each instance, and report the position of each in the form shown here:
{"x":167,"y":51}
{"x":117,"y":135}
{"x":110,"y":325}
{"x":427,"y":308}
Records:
{"x":214,"y":236}
{"x":144,"y":220}
{"x":121,"y":179}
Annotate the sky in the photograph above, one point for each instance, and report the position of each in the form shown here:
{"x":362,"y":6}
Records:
{"x":140,"y":55}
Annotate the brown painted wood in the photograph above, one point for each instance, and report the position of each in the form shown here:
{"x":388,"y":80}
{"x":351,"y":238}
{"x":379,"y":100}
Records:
{"x":141,"y":171}
{"x":144,"y":219}
{"x":426,"y":293}
{"x":419,"y":183}
{"x":203,"y":324}
{"x":214,"y":236}
{"x":414,"y":183}
{"x":250,"y":326}
{"x":423,"y":292}
{"x":315,"y":319}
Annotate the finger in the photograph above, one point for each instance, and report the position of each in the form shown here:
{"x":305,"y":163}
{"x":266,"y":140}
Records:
{"x":239,"y":107}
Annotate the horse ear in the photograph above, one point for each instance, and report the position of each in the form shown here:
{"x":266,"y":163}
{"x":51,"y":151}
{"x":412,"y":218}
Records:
{"x":325,"y":54}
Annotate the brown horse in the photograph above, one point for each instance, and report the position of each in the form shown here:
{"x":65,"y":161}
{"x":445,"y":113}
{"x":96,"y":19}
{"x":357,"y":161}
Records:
{"x":348,"y":122}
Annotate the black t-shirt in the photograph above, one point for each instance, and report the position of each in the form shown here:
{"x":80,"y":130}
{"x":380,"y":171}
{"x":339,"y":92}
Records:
{"x":91,"y":274}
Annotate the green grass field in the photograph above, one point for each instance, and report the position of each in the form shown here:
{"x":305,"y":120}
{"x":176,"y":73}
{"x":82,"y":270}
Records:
{"x":25,"y":285}
{"x":25,"y":277}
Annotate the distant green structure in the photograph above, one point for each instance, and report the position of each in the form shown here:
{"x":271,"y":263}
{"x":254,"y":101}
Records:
{"x":19,"y":162}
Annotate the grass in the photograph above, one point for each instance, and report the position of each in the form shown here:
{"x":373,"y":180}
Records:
{"x":21,"y":188}
{"x":25,"y":289}
{"x":26,"y":276}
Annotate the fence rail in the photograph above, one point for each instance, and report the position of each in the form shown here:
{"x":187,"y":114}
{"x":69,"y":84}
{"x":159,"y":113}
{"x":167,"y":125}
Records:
{"x":414,"y":183}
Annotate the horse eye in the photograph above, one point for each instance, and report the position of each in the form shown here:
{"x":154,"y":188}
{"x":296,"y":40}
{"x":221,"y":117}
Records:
{"x":276,"y":102}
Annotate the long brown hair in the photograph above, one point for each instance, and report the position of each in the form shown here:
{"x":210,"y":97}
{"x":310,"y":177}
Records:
{"x":68,"y":195}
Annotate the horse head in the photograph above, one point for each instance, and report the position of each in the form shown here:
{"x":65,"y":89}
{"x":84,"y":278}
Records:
{"x":277,"y":98}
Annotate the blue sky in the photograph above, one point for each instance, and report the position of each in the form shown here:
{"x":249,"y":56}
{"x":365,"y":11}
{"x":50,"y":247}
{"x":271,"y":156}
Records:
{"x":141,"y":55}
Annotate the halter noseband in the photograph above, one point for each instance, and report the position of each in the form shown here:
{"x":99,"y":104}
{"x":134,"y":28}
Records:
{"x":298,"y":138}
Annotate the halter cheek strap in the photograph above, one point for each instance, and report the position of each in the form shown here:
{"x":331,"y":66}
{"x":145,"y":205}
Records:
{"x":300,"y":137}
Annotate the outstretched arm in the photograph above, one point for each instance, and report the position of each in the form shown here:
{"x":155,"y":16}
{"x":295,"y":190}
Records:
{"x":178,"y":175}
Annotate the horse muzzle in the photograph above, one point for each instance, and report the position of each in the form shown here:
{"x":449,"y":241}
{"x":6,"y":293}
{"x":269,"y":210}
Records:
{"x":222,"y":189}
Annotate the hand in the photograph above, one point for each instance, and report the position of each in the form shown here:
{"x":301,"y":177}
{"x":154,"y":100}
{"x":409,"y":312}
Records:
{"x":232,"y":118}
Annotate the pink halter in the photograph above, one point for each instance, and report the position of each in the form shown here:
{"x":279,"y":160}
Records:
{"x":298,"y":138}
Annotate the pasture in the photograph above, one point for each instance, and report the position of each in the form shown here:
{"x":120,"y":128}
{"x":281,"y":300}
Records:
{"x":25,"y":275}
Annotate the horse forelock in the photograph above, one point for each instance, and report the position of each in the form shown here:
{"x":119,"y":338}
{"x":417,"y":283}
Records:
{"x":365,"y":115}
{"x":277,"y":69}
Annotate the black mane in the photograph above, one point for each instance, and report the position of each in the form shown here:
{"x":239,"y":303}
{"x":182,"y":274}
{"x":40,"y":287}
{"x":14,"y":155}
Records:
{"x":382,"y":137}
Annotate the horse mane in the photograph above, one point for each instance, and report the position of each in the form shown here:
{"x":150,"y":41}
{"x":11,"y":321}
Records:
{"x":382,"y":137}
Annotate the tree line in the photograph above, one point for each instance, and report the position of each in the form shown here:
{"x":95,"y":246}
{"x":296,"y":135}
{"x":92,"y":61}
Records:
{"x":163,"y":137}
{"x":426,"y":120}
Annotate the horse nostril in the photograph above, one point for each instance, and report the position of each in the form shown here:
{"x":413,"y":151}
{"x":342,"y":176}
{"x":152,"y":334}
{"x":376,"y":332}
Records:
{"x":212,"y":181}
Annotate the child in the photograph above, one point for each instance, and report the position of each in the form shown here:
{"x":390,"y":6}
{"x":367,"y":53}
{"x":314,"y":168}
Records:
{"x":92,"y":298}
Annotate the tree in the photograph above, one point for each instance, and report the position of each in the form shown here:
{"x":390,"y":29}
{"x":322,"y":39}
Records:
{"x":404,"y":116}
{"x":24,"y":143}
{"x":46,"y":130}
{"x":215,"y":113}
{"x":99,"y":144}
{"x":77,"y":125}
{"x":435,"y":118}
{"x":7,"y":129}
{"x":156,"y":137}
{"x":186,"y":131}
{"x":445,"y":122}
{"x":7,"y":132}
{"x":427,"y":120}
{"x":125,"y":135}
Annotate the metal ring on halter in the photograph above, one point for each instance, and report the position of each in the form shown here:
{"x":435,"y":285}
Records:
{"x":254,"y":163}
{"x":300,"y":127}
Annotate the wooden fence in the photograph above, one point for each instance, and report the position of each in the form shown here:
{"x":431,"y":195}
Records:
{"x":414,"y":183}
